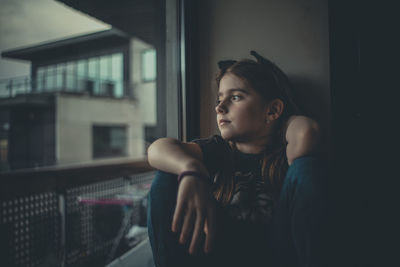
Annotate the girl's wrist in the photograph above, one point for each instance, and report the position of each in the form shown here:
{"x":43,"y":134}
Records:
{"x":194,"y":165}
{"x":194,"y":168}
{"x":196,"y":174}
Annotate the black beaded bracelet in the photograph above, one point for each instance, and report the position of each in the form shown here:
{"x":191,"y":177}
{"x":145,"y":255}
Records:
{"x":192,"y":173}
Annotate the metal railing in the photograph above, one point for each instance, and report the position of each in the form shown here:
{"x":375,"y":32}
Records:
{"x":18,"y":85}
{"x":61,"y":81}
{"x":44,"y":222}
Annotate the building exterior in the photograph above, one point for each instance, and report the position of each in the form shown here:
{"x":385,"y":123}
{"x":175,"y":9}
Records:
{"x":89,"y":98}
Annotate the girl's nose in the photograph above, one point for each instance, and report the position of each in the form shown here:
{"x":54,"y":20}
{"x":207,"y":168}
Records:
{"x":221,"y":107}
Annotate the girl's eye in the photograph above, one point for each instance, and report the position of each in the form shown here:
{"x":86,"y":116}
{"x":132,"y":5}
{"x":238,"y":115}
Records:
{"x":233,"y":97}
{"x":236,"y":97}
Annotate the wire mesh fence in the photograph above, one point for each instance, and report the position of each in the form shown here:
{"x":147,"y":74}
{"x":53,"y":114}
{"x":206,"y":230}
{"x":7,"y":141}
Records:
{"x":62,"y":229}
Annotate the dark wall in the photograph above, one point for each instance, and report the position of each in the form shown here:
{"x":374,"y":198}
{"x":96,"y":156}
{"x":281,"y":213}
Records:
{"x":362,"y":82}
{"x":293,"y":34}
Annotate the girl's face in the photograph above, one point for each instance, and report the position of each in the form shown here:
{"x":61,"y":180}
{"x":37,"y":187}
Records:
{"x":241,"y":111}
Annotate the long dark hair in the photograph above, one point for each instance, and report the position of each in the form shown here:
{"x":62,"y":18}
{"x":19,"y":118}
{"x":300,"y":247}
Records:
{"x":271,"y":83}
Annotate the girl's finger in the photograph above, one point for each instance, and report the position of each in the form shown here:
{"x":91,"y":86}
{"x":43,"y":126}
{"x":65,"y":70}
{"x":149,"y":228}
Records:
{"x":177,"y":218}
{"x":210,"y":230}
{"x":187,"y":226}
{"x":196,"y":233}
{"x":205,"y":229}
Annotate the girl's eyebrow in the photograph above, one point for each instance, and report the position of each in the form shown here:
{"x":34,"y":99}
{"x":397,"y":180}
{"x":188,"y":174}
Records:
{"x":234,"y":90}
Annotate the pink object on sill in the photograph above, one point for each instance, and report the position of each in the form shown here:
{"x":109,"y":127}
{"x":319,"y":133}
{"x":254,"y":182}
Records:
{"x":106,"y":201}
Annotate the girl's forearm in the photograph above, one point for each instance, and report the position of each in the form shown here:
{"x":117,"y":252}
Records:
{"x":173,"y":156}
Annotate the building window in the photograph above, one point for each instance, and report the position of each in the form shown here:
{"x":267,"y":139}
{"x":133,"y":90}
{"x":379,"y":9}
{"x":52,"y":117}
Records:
{"x":109,"y":141}
{"x":149,"y":66}
{"x":117,"y":73}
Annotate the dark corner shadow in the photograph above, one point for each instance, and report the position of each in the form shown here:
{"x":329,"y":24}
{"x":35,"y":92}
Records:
{"x":312,"y":97}
{"x":314,"y":100}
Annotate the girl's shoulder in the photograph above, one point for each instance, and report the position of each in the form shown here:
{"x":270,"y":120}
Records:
{"x":213,"y":145}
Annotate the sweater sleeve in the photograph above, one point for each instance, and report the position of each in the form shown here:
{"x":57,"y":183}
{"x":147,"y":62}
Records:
{"x":215,"y":152}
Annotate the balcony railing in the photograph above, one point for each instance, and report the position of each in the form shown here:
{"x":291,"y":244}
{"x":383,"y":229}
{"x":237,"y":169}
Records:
{"x":12,"y":87}
{"x":61,"y":81}
{"x":65,"y":216}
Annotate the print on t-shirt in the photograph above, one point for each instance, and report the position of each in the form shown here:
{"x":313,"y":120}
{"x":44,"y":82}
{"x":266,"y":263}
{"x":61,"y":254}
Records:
{"x":251,"y":201}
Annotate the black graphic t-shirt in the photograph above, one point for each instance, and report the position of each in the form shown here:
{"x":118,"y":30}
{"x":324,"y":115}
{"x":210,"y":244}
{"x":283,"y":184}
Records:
{"x":243,"y":225}
{"x":252,"y":201}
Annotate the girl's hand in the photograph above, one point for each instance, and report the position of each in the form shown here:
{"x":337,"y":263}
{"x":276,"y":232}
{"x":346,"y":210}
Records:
{"x":194,"y":213}
{"x":303,"y":137}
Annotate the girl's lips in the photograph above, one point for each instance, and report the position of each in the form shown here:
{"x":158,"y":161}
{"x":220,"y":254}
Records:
{"x":222,"y":122}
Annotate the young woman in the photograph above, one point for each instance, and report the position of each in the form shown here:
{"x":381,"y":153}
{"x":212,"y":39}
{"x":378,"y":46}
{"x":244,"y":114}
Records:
{"x":251,"y":196}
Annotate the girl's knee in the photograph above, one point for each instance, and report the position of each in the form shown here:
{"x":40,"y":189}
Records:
{"x":308,"y":169}
{"x":162,"y":195}
{"x":164,"y":184}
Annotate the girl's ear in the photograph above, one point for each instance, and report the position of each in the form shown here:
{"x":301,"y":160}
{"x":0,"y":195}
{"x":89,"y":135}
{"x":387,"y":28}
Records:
{"x":274,"y":110}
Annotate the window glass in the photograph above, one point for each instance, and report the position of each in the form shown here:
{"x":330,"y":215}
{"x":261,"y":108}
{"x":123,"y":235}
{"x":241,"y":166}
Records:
{"x":50,"y":78}
{"x":149,"y":67}
{"x":105,"y":65}
{"x":116,"y":74}
{"x":116,"y":66}
{"x":93,"y":76}
{"x":60,"y":74}
{"x":94,"y":70}
{"x":81,"y":75}
{"x":70,"y":76}
{"x":106,"y":85}
{"x":109,"y":141}
{"x":40,"y":79}
{"x":79,"y":94}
